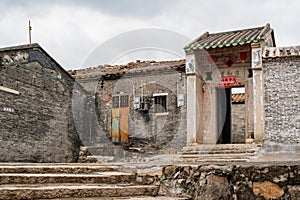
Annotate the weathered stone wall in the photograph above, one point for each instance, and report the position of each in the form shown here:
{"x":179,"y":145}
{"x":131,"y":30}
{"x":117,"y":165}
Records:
{"x":282,"y":99}
{"x":36,"y":124}
{"x":238,"y":115}
{"x":83,"y":110}
{"x":148,"y":130}
{"x":166,"y":129}
{"x":232,"y":182}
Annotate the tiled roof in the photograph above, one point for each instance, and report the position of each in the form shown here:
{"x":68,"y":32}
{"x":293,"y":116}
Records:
{"x":132,"y":67}
{"x":275,"y":52}
{"x":238,"y":98}
{"x":20,"y":47}
{"x":230,"y":38}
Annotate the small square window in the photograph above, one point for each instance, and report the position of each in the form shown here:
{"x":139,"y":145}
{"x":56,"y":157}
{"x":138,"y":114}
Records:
{"x":250,"y":73}
{"x":160,"y":104}
{"x":209,"y":76}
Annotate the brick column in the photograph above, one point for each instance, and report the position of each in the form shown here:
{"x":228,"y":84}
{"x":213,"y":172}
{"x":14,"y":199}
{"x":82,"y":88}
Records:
{"x":258,"y":94}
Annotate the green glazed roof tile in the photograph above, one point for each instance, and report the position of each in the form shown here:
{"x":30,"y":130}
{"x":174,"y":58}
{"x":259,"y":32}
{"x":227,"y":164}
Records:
{"x":226,"y":39}
{"x":249,"y":41}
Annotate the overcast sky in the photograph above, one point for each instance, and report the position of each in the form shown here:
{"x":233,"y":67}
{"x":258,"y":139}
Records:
{"x":70,"y":30}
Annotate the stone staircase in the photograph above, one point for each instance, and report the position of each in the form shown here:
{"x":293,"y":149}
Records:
{"x":77,"y":181}
{"x":220,"y":153}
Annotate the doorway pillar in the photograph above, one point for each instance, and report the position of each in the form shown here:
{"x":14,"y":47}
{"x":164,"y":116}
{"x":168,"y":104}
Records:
{"x":194,"y":102}
{"x":258,"y":94}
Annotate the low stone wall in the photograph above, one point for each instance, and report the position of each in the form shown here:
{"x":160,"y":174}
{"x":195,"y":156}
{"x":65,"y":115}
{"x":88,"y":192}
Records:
{"x":212,"y":182}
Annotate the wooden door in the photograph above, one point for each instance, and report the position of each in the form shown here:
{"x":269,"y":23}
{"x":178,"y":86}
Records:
{"x":120,"y":113}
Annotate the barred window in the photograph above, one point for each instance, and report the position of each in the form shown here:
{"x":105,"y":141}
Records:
{"x":160,"y":104}
{"x":124,"y":101}
{"x":120,"y":101}
{"x":115,"y":101}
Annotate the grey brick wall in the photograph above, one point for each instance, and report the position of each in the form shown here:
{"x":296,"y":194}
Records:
{"x":238,"y":117}
{"x":282,"y":99}
{"x":36,"y":125}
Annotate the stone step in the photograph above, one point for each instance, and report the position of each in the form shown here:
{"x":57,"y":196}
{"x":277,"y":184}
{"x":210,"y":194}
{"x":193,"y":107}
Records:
{"x":216,"y":156}
{"x":57,"y":169}
{"x":127,"y":198}
{"x":221,"y":147}
{"x":101,"y":177}
{"x":217,"y":151}
{"x":208,"y":161}
{"x":74,"y":191}
{"x":223,"y":151}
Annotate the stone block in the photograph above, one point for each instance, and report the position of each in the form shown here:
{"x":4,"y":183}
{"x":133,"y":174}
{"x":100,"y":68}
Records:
{"x":268,"y":190}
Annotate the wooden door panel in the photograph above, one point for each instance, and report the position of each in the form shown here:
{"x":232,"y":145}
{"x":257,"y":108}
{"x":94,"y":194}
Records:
{"x":115,"y":130}
{"x":123,"y":129}
{"x":120,"y":113}
{"x":124,"y":113}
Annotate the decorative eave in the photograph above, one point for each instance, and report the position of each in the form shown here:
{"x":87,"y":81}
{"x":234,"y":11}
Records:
{"x":229,"y":39}
{"x":280,"y":52}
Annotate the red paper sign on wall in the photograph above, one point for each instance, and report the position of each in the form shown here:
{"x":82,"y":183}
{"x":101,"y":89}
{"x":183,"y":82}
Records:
{"x":228,"y":81}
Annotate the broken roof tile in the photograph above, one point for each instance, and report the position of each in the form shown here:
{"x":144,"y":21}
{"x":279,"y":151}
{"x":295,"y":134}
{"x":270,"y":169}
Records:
{"x":132,"y":67}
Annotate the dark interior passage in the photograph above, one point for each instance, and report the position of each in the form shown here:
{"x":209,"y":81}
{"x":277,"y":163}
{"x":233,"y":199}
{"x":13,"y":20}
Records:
{"x":224,"y":115}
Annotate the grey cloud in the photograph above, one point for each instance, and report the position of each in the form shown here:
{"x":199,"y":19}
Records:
{"x":153,"y":39}
{"x":128,"y":8}
{"x":71,"y":29}
{"x":133,"y":8}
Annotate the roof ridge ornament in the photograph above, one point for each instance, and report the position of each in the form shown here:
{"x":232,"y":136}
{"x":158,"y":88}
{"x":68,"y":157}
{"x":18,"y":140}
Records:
{"x":264,"y":30}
